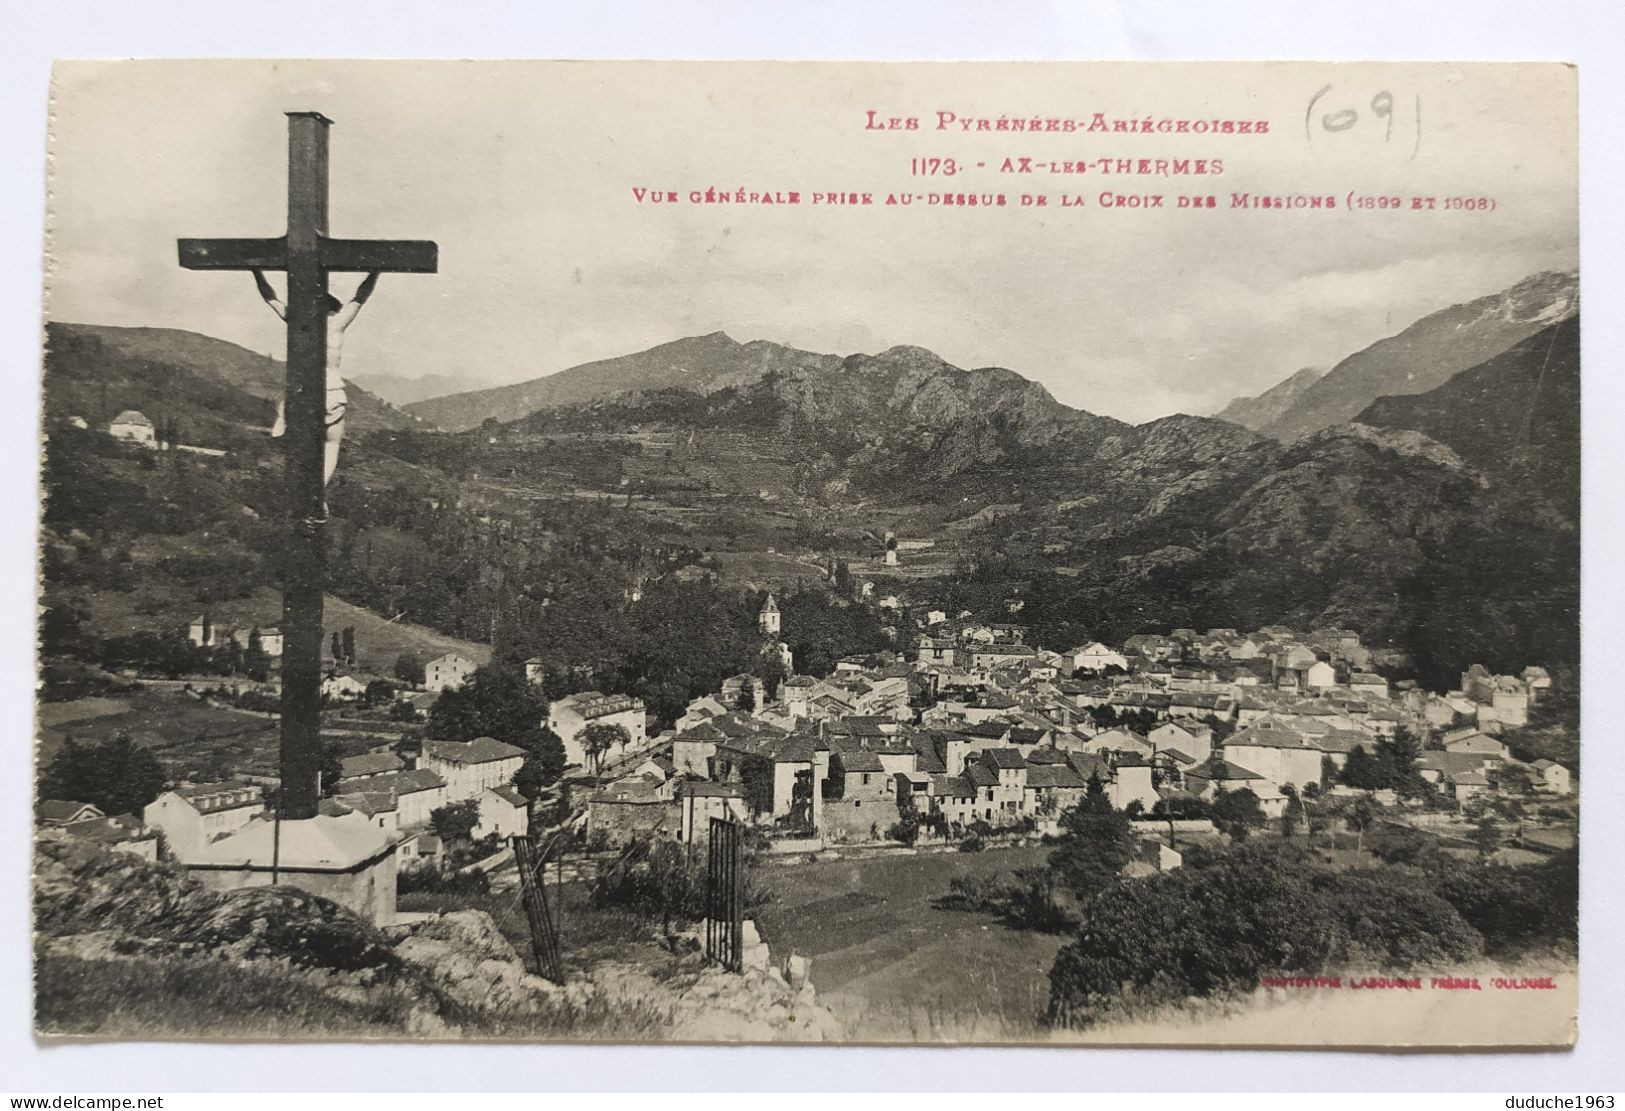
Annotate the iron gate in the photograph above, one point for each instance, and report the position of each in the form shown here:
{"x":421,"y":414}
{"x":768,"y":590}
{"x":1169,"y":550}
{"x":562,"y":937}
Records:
{"x":724,"y":897}
{"x":544,"y":934}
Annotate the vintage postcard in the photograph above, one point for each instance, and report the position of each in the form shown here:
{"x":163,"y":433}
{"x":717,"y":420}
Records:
{"x":872,"y":553}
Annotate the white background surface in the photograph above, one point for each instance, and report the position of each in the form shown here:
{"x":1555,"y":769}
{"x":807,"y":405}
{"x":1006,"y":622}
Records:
{"x":1589,"y":34}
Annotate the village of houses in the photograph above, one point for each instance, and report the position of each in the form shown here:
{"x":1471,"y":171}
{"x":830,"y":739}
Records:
{"x":980,"y":733}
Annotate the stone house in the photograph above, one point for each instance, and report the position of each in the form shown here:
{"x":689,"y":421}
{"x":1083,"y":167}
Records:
{"x":699,"y":802}
{"x":503,"y":812}
{"x":954,"y":797}
{"x":417,"y":793}
{"x":470,"y":767}
{"x":192,"y":817}
{"x":1551,"y":777}
{"x":570,"y":715}
{"x":1276,"y":752}
{"x":448,"y":672}
{"x":134,"y":426}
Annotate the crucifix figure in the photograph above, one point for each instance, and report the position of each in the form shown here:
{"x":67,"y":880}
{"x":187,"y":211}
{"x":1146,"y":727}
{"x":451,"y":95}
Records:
{"x":336,"y":402}
{"x":310,"y":439}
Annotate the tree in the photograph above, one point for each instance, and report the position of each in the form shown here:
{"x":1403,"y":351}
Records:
{"x":117,"y":776}
{"x":332,"y":767}
{"x":256,"y":663}
{"x":495,"y":702}
{"x":1328,"y":773}
{"x":1487,"y":836}
{"x":1364,"y":771}
{"x":1238,"y":813}
{"x":1262,"y":908}
{"x":907,"y":829}
{"x":379,"y":691}
{"x":1361,"y":817}
{"x":1096,"y":843}
{"x":1398,"y":755}
{"x":349,"y":643}
{"x":409,"y":669}
{"x":544,"y":761}
{"x":1292,"y":818}
{"x":455,"y":821}
{"x":338,"y":651}
{"x":756,"y":783}
{"x":598,"y":738}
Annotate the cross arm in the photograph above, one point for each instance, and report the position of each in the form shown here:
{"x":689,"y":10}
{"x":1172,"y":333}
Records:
{"x":234,"y":254}
{"x":396,"y":256}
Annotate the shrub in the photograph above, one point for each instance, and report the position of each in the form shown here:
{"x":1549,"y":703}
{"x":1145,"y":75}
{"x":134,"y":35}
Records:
{"x":669,"y":882}
{"x":441,"y":881}
{"x":1513,"y":908}
{"x":1247,"y":912}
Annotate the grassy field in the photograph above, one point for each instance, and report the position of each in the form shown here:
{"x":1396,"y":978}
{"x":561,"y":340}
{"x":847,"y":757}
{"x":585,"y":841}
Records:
{"x":893,"y":967}
{"x":194,"y":740}
{"x":378,"y":640}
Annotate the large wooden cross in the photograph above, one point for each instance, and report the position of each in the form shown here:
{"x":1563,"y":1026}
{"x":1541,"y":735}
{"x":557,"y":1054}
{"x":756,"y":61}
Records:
{"x":308,"y":256}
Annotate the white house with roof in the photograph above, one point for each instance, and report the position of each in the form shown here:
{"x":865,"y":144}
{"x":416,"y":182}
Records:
{"x":570,"y":715}
{"x":134,"y":426}
{"x":344,"y":857}
{"x":192,"y":817}
{"x":61,"y":812}
{"x":1508,"y":705}
{"x":1551,"y":777}
{"x":448,"y":672}
{"x":1278,"y":753}
{"x":418,"y":793}
{"x":1217,"y":774}
{"x":270,"y":639}
{"x":1537,"y":681}
{"x":122,"y":833}
{"x":1320,"y":675}
{"x":470,"y":767}
{"x":353,"y":769}
{"x":1471,"y":740}
{"x":342,"y":686}
{"x":204,"y":633}
{"x":1095,"y":656}
{"x":1368,"y":684}
{"x":1192,"y":738}
{"x":698,"y":802}
{"x":503,"y":812}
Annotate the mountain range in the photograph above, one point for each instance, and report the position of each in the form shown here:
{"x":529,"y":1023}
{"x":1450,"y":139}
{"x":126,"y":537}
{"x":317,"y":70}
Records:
{"x":398,"y":389}
{"x":1274,"y":403}
{"x":213,"y":387}
{"x":1444,"y":519}
{"x":1414,"y":361}
{"x":699,"y":364}
{"x":1515,"y":416}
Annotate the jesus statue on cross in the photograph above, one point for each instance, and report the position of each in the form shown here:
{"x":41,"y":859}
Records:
{"x":340,"y":317}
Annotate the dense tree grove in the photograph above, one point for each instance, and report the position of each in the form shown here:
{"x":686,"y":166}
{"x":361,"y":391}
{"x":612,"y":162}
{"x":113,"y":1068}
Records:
{"x":117,"y":776}
{"x":1246,"y":912}
{"x":1096,"y":842}
{"x":1271,"y":907}
{"x":498,"y":702}
{"x":1390,"y":765}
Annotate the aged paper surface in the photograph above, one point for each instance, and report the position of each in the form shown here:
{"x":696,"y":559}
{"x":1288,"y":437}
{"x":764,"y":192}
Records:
{"x":973,"y":553}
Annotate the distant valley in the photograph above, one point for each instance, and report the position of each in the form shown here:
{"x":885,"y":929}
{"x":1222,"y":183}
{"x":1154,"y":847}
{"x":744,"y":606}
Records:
{"x":1442,"y":522}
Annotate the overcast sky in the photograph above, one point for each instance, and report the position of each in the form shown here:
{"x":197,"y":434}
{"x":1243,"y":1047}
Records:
{"x":524,"y":173}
